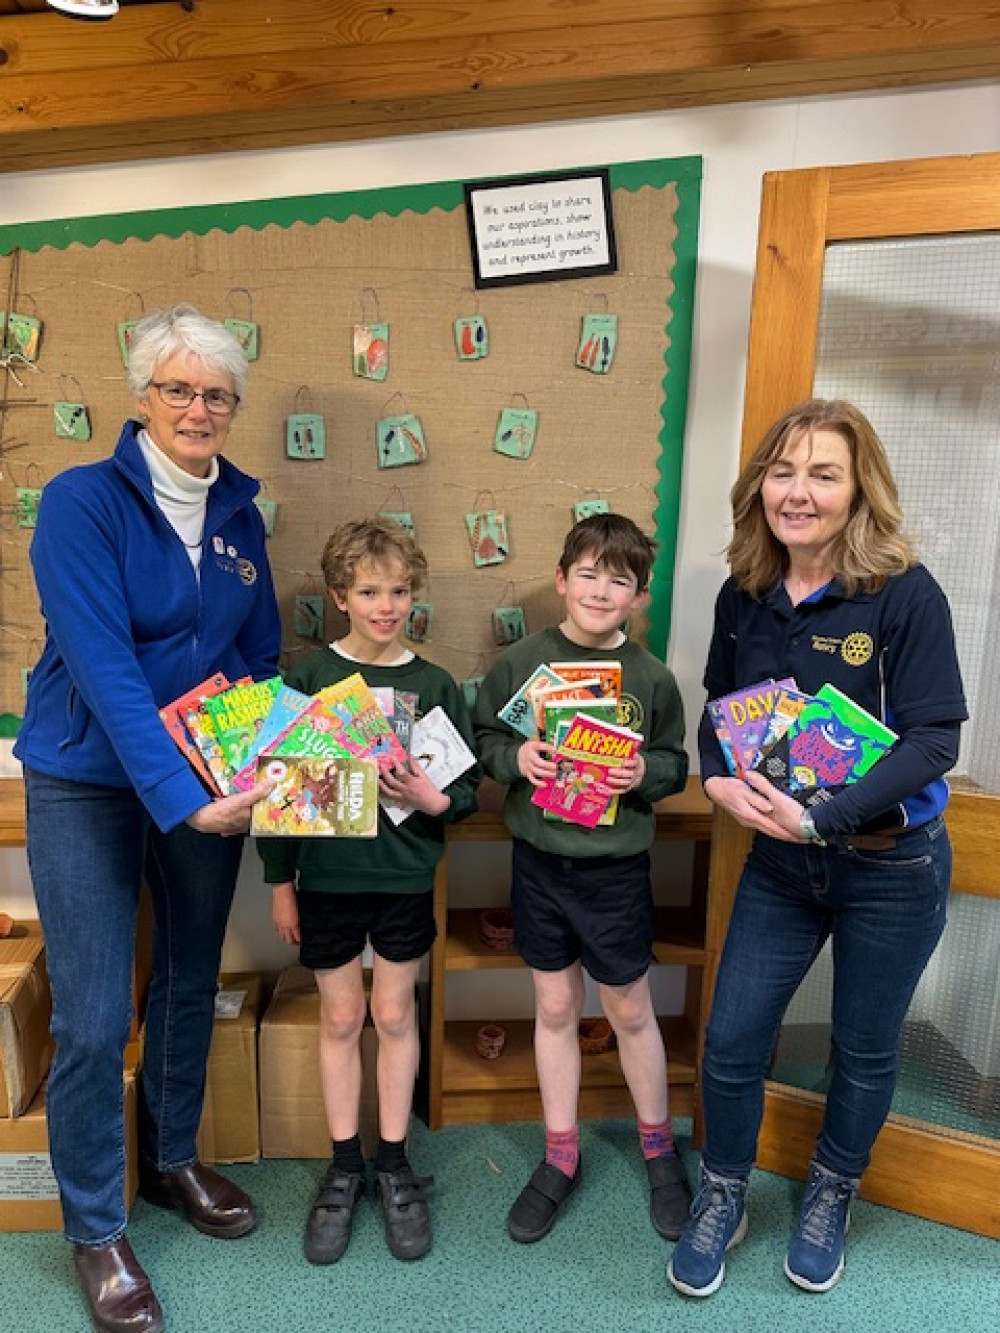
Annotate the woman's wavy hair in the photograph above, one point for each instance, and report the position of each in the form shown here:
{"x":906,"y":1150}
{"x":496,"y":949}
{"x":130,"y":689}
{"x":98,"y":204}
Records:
{"x":871,"y":548}
{"x":163,"y":333}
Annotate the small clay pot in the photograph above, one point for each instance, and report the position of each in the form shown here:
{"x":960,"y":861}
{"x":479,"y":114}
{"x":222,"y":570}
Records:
{"x":596,"y":1036}
{"x":490,"y":1041}
{"x":6,"y":925}
{"x":496,"y":927}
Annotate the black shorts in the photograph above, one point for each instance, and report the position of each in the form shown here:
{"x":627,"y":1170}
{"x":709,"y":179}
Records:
{"x":595,"y":910}
{"x":336,"y":927}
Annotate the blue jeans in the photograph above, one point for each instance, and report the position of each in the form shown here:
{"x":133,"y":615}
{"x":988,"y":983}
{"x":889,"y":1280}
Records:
{"x":88,"y":849}
{"x":885,"y":912}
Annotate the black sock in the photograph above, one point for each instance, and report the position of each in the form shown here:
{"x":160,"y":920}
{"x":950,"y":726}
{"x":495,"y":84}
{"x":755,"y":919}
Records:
{"x":390,"y":1156}
{"x":348,"y":1156}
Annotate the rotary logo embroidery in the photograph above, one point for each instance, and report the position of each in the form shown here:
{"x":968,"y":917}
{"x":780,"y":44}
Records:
{"x":247,"y":571}
{"x":857,"y":649}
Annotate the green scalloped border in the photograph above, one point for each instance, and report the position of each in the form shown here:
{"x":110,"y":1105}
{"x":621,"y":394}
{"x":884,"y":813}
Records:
{"x":684,"y":173}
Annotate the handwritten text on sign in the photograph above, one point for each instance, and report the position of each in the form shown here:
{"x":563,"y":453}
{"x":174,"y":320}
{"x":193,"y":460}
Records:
{"x":550,"y":226}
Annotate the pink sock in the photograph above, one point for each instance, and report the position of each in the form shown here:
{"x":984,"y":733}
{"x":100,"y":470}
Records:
{"x":562,"y":1149}
{"x":656,"y":1140}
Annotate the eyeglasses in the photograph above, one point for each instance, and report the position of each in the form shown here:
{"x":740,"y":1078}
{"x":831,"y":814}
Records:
{"x":217,"y":401}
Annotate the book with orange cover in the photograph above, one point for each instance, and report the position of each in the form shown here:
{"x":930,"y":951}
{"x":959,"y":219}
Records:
{"x":174,"y":717}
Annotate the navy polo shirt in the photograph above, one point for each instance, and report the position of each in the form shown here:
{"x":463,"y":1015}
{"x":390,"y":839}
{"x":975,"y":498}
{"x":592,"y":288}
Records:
{"x":892,"y":652}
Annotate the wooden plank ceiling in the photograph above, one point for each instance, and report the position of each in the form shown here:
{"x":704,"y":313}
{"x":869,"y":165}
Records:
{"x":175,"y":77}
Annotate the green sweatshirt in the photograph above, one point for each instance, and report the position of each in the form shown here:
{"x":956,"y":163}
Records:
{"x":402,"y":858}
{"x":651,"y":704}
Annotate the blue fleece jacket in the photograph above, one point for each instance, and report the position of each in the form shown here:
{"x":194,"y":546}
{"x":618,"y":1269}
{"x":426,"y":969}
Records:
{"x":130,"y":625}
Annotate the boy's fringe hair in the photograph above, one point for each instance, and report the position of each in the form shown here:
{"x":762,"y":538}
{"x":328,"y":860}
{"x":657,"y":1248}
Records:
{"x":370,"y":541}
{"x":614,"y":542}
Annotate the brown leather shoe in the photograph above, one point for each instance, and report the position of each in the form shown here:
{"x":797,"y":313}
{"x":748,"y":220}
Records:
{"x":118,"y":1292}
{"x":210,"y":1202}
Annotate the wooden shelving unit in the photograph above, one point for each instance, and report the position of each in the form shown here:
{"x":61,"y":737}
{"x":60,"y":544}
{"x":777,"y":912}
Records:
{"x":466,"y":1089}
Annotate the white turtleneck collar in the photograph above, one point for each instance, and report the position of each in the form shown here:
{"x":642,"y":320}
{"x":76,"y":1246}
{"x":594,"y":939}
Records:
{"x":180,"y":496}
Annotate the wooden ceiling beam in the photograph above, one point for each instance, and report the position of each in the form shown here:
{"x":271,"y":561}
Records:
{"x":236,"y":74}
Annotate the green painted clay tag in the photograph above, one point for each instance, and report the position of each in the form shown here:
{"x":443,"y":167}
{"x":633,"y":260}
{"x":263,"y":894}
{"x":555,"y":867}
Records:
{"x":371,"y":351}
{"x":588,"y":508}
{"x":268,"y":512}
{"x":401,"y":516}
{"x":126,"y":327}
{"x":515,"y":433}
{"x":508,"y":625}
{"x":418,"y":622}
{"x":71,"y":421}
{"x":400,"y":440}
{"x":470,"y":690}
{"x":24,"y":335}
{"x":247,"y":334}
{"x":305,"y":435}
{"x":309,"y":612}
{"x":27,"y":506}
{"x":488,"y":538}
{"x":598,"y":340}
{"x":472,"y":339}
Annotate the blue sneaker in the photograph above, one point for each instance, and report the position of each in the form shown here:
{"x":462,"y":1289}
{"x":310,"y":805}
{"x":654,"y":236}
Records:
{"x":718,"y":1221}
{"x":815,"y":1258}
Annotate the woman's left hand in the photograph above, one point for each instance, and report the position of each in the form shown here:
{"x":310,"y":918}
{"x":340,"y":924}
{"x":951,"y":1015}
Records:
{"x":781,"y":820}
{"x":229,"y":815}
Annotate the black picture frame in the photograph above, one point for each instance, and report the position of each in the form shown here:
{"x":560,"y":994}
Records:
{"x":541,"y":228}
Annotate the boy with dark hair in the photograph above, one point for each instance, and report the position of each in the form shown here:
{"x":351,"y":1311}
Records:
{"x":333,"y":896}
{"x":582,"y":897}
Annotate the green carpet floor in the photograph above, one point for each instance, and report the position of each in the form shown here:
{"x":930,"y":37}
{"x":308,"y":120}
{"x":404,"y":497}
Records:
{"x":602,"y":1268}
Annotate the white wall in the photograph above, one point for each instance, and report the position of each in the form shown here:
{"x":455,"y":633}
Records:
{"x":738,"y":144}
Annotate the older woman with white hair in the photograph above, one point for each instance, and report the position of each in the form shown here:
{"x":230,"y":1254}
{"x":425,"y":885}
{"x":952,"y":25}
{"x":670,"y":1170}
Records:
{"x":153,"y":575}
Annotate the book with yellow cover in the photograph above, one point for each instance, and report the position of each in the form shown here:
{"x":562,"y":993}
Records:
{"x":317,"y":798}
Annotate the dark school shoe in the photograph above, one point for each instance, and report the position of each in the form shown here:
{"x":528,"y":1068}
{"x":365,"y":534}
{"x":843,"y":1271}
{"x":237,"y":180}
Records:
{"x":534,"y":1210}
{"x":328,"y":1227}
{"x":213,"y":1204}
{"x":405,"y":1211}
{"x":669,"y":1195}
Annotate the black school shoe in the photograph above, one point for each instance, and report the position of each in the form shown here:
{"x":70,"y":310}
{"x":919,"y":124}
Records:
{"x":534,"y":1210}
{"x":407,"y":1217}
{"x":328,"y":1228}
{"x":669,"y":1195}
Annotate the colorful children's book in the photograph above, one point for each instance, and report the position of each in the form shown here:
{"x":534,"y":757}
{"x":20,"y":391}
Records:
{"x":237,"y":715}
{"x":580,"y":691}
{"x":317,"y":798}
{"x":288,"y":707}
{"x":439,"y":747}
{"x":563,"y":711}
{"x":586,"y":750}
{"x":746,"y":713}
{"x":363,"y":729}
{"x":721,"y":728}
{"x":609,"y":675}
{"x":788,"y":704}
{"x":173,"y":716}
{"x":832,"y":742}
{"x":519,"y":710}
{"x":201,"y":729}
{"x":400,"y":707}
{"x":311,"y":735}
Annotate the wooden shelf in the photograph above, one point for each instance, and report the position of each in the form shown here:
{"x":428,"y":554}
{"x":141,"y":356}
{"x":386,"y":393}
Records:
{"x":679,"y":941}
{"x":465,"y":1088}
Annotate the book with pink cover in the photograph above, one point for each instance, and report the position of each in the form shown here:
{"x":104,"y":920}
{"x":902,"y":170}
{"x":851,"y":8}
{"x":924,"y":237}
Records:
{"x":586,"y":749}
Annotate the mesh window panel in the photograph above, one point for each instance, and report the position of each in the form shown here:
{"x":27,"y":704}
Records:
{"x":910,"y":332}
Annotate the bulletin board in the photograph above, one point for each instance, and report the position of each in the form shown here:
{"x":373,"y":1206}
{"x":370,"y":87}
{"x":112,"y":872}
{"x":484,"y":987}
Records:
{"x":307,"y":271}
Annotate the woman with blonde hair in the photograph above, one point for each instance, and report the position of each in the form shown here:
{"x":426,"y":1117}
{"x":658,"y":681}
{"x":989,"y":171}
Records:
{"x":824,"y":588}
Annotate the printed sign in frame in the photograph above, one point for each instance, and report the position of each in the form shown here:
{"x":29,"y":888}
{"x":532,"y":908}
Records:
{"x":541,"y":228}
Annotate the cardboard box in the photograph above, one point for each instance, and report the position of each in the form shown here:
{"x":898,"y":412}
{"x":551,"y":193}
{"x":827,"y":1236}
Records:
{"x":292,"y":1117}
{"x":230,"y":1120}
{"x":29,"y":1195}
{"x":25,"y":1012}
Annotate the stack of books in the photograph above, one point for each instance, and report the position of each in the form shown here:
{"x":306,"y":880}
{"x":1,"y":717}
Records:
{"x":323,"y":752}
{"x":575,"y":707}
{"x":808,"y":745}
